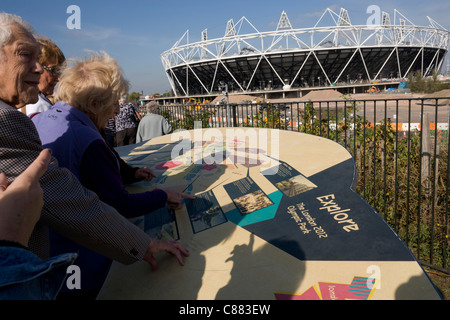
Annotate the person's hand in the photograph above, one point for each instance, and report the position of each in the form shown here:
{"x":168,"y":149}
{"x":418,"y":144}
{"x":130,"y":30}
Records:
{"x":172,"y":247}
{"x":175,"y":198}
{"x":144,"y":173}
{"x":21,"y":202}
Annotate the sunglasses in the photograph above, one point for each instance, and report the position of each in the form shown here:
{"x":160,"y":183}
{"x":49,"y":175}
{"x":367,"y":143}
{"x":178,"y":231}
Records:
{"x":56,"y":71}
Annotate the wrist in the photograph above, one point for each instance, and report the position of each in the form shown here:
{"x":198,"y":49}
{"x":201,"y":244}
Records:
{"x":150,"y":250}
{"x":10,"y":231}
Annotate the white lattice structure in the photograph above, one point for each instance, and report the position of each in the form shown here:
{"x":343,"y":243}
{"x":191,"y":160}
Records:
{"x":286,"y":58}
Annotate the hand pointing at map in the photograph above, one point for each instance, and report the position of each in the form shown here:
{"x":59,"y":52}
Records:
{"x":174,"y":199}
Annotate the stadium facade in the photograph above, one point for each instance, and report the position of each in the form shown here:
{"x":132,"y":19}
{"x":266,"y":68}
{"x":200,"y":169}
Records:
{"x":339,"y":54}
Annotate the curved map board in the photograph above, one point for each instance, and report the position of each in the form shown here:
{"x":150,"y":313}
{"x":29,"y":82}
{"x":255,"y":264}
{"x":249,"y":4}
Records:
{"x":275,"y":217}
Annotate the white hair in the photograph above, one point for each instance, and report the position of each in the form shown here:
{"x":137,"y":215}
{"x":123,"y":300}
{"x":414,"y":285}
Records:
{"x":6,"y":21}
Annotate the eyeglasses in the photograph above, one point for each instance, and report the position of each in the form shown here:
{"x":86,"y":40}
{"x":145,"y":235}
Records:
{"x":56,"y":71}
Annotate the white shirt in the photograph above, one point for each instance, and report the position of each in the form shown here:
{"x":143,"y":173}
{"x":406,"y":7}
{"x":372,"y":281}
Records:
{"x":42,"y":105}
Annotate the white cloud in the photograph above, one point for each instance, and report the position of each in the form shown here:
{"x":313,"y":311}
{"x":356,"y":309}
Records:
{"x":107,"y":35}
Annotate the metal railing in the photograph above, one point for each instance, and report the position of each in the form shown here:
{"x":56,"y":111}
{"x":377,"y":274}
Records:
{"x":400,"y":147}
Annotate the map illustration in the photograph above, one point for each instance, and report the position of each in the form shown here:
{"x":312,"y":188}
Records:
{"x":269,"y":205}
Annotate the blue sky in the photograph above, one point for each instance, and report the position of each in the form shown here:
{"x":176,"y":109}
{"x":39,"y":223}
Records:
{"x":136,"y":32}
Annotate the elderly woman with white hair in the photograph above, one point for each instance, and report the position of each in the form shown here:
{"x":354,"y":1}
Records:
{"x":87,"y":97}
{"x":152,"y":125}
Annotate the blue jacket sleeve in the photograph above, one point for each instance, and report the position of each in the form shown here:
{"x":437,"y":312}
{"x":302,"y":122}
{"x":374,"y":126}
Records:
{"x":100,"y":172}
{"x":26,"y":277}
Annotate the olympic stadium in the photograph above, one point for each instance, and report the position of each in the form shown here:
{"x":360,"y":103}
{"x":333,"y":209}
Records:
{"x":332,"y":53}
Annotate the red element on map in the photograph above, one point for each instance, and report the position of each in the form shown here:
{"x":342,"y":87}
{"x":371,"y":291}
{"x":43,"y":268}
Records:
{"x":361,"y":288}
{"x":209,"y":167}
{"x":334,"y":291}
{"x":169,"y":165}
{"x":236,"y":142}
{"x":310,"y":294}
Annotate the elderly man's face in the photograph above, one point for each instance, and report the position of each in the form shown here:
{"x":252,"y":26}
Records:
{"x":20,"y":70}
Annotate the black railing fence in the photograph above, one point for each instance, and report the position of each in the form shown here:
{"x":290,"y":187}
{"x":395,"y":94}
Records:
{"x":400,"y":147}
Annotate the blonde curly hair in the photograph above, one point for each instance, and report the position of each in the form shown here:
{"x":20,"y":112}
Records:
{"x":50,"y":53}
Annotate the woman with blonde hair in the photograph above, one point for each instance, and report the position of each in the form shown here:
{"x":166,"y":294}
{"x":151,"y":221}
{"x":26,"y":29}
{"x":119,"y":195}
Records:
{"x":87,"y":97}
{"x":53,"y":61}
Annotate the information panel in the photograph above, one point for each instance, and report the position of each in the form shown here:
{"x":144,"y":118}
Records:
{"x":275,"y":217}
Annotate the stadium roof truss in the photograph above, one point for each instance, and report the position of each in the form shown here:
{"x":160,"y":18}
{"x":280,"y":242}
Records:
{"x":247,"y":59}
